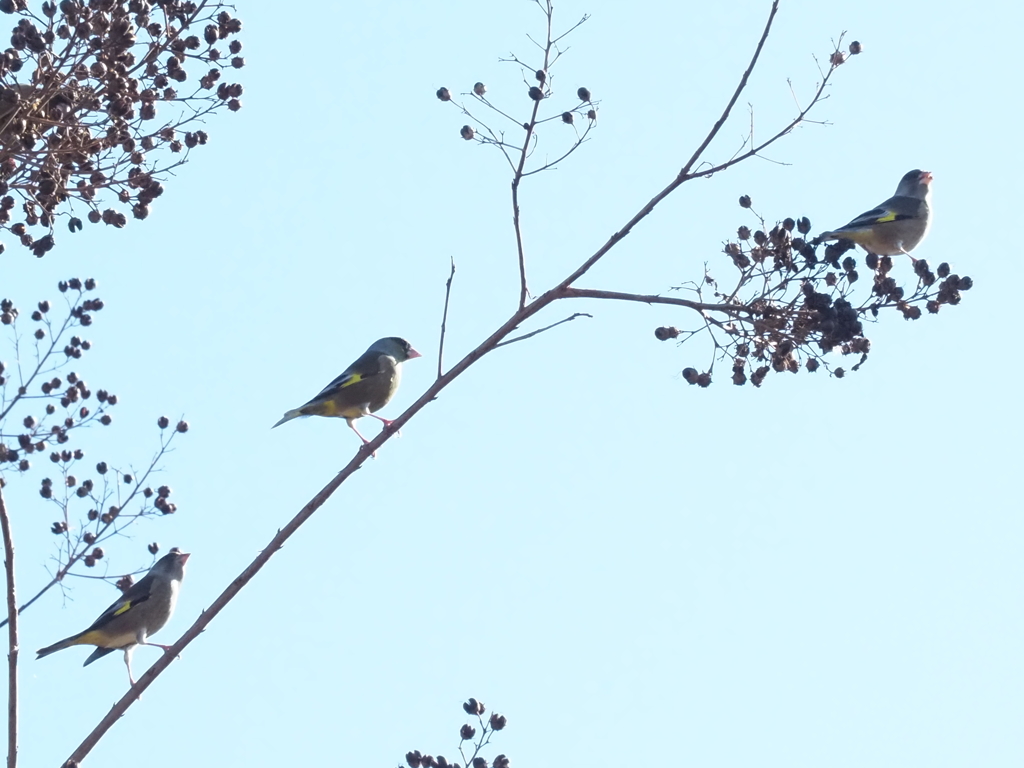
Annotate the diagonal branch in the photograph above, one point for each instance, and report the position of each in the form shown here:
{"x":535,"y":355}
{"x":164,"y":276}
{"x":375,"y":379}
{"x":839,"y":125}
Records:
{"x":684,"y":175}
{"x":735,"y":96}
{"x":499,"y":337}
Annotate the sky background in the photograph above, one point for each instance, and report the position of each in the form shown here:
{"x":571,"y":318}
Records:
{"x":631,"y":569}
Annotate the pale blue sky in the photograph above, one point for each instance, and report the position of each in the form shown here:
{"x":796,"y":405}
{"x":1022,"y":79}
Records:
{"x":818,"y":572}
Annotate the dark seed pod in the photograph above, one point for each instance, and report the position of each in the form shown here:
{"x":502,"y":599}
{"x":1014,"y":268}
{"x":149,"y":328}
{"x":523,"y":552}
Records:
{"x":665,"y":333}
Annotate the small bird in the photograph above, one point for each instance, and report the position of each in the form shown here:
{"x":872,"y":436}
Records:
{"x":896,"y":226}
{"x":366,"y":386}
{"x":135,"y":616}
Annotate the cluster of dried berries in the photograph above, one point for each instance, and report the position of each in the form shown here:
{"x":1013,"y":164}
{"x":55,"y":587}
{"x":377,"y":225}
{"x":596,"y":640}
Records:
{"x":90,"y":112}
{"x":791,"y":306}
{"x":839,"y":57}
{"x":42,"y":405}
{"x":586,"y":108}
{"x":536,"y":93}
{"x":61,"y":402}
{"x":467,"y":732}
{"x":92,"y":510}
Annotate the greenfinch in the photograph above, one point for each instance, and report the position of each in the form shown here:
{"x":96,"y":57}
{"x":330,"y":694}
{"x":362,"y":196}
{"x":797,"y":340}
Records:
{"x":135,"y":616}
{"x":365,"y":386}
{"x":896,"y":226}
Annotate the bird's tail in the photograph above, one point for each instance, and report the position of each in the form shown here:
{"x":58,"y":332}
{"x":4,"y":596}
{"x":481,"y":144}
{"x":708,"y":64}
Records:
{"x":67,"y":642}
{"x":294,"y":413}
{"x":99,"y":653}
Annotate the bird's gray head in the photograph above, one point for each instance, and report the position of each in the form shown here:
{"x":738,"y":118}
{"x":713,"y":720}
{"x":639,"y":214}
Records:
{"x":915,"y":183}
{"x":171,"y":565}
{"x":400,"y":349}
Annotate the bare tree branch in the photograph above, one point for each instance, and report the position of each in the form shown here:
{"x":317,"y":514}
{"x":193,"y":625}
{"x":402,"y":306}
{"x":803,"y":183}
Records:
{"x":587,"y":293}
{"x":444,"y":320}
{"x":12,"y":636}
{"x":499,"y":337}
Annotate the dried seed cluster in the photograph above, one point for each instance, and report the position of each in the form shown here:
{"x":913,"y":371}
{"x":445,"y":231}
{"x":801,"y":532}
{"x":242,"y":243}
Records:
{"x":791,"y":305}
{"x":43,"y":405}
{"x":467,"y":732}
{"x":91,"y":117}
{"x":586,"y":108}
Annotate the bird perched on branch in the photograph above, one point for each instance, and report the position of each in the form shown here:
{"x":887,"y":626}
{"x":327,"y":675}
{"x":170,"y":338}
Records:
{"x":134,"y":617}
{"x":896,"y":226}
{"x":366,"y":386}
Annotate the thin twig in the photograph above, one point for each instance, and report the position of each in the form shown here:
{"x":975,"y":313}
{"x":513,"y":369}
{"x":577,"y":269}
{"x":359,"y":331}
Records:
{"x":546,"y":166}
{"x":12,"y":637}
{"x":541,"y":330}
{"x":524,"y":292}
{"x":444,"y":320}
{"x":572,"y":28}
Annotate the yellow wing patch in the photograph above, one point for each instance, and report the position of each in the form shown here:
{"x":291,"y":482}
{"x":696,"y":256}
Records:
{"x":122,"y":609}
{"x":355,"y":378}
{"x":889,"y":216}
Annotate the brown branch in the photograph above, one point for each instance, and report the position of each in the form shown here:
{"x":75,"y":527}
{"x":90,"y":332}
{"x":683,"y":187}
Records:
{"x":362,"y":454}
{"x":444,"y":319}
{"x":588,"y":293}
{"x":516,"y":223}
{"x":12,"y":636}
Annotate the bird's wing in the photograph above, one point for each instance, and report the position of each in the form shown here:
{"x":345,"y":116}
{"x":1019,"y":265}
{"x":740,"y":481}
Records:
{"x":894,"y":209}
{"x":366,"y":367}
{"x":137,"y":594}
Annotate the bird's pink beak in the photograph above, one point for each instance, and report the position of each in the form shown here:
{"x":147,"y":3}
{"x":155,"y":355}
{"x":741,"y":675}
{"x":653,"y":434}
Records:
{"x":413,"y":353}
{"x":185,"y":557}
{"x":926,"y":177}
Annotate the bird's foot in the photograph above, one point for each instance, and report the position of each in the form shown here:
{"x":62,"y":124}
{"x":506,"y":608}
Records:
{"x":387,"y":423}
